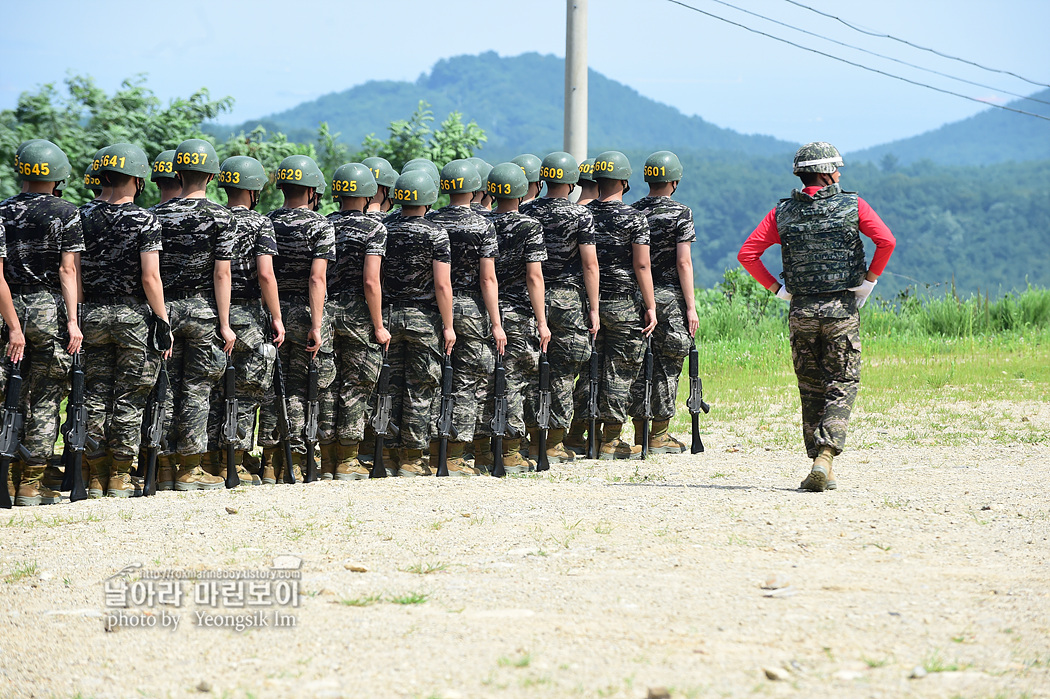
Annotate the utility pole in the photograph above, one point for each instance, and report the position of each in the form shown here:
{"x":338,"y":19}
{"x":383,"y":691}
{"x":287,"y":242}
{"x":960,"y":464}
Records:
{"x":576,"y":79}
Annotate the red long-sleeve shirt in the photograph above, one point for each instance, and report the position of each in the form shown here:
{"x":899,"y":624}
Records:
{"x":766,"y":235}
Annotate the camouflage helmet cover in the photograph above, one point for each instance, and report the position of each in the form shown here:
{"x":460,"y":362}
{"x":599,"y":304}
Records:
{"x":818,"y":156}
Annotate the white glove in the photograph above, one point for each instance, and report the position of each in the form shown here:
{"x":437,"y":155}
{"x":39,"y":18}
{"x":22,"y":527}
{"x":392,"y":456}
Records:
{"x":783,"y":293}
{"x":863,"y":291}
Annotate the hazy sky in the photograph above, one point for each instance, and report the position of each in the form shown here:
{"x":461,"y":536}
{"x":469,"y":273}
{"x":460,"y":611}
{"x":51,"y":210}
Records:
{"x":273,"y":55}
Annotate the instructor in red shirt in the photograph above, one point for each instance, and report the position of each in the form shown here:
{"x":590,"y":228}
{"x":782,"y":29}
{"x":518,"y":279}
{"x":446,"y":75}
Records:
{"x":827,"y":282}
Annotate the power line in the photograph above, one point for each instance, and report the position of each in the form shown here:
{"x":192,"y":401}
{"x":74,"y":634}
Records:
{"x":879,"y":55}
{"x":916,"y":46}
{"x":858,"y":65}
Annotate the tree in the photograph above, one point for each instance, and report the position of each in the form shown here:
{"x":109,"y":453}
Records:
{"x":413,"y":138}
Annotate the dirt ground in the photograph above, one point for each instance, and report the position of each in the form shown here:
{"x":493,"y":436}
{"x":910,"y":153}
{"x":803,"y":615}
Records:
{"x":598,"y":579}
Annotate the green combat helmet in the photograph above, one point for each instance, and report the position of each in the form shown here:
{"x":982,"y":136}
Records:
{"x":300,"y":170}
{"x":663,"y":166}
{"x":482,"y":167}
{"x":125,"y":158}
{"x":91,"y":179}
{"x":587,"y":170}
{"x":530,"y":165}
{"x":612,"y":165}
{"x":460,"y":177}
{"x":196,"y":155}
{"x":508,"y":181}
{"x":426,"y":166}
{"x":384,"y":172}
{"x":560,"y":167}
{"x":415,"y":188}
{"x":242,"y":172}
{"x":817,"y":157}
{"x":21,"y":147}
{"x":42,"y":161}
{"x":163,"y":166}
{"x":354,"y":180}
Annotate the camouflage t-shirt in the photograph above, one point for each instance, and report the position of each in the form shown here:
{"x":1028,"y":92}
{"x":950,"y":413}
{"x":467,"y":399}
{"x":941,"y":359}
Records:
{"x":566,"y":226}
{"x":302,"y":237}
{"x":478,"y":208}
{"x":471,"y":237}
{"x":115,"y":236}
{"x":3,"y":241}
{"x":87,"y":207}
{"x":616,"y":228}
{"x":255,"y":237}
{"x":413,"y":244}
{"x":356,"y":234}
{"x":520,"y":241}
{"x":378,"y":216}
{"x":195,"y":232}
{"x":670,"y":223}
{"x":39,"y":228}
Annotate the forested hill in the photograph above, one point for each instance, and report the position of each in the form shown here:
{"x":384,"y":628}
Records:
{"x":992,"y":136}
{"x":519,"y":103}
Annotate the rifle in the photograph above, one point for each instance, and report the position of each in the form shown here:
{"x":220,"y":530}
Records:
{"x":232,"y":432}
{"x":543,"y":412}
{"x":74,"y":430}
{"x":283,"y":428}
{"x":695,"y":402}
{"x":592,"y":402}
{"x":10,"y":434}
{"x":159,"y":340}
{"x":499,"y":418}
{"x":647,"y":399}
{"x":313,"y":411}
{"x":381,"y":423}
{"x":445,"y":428}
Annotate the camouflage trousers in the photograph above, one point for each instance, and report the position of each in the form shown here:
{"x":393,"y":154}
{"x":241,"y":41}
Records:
{"x":196,"y":364}
{"x":621,"y":346}
{"x":119,"y":372}
{"x":472,"y":363}
{"x":521,"y":362}
{"x":671,"y":343}
{"x":415,"y":370}
{"x":358,"y":360}
{"x":253,"y":357}
{"x":567,"y":351}
{"x":45,"y":371}
{"x":826,"y":355}
{"x":295,"y":361}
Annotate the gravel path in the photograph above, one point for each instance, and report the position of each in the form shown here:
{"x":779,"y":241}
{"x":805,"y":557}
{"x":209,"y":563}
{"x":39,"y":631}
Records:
{"x":600,"y":579}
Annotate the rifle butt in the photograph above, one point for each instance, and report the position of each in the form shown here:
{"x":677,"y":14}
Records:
{"x":232,"y":479}
{"x":67,"y":473}
{"x":289,"y":468}
{"x":149,"y":481}
{"x":442,"y":457}
{"x":498,"y":470}
{"x":378,"y":467}
{"x":310,"y":473}
{"x":698,"y":444}
{"x":5,"y":497}
{"x":645,"y":438}
{"x":74,"y":471}
{"x":592,"y":440}
{"x":542,"y":464}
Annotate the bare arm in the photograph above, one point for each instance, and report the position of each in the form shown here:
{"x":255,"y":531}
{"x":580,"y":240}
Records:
{"x":490,"y":295}
{"x":16,"y":341}
{"x":589,"y":258}
{"x":374,"y":298}
{"x":154,"y":288}
{"x":270,"y":296}
{"x":443,"y":290}
{"x":685,"y":280}
{"x":318,"y":291}
{"x":221,"y":278}
{"x":69,"y":276}
{"x":644,"y":274}
{"x":534,"y":282}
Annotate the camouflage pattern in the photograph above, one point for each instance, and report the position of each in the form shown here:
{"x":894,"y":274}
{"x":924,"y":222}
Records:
{"x":39,"y":228}
{"x":522,"y":362}
{"x":415,"y":367}
{"x":413,"y":243}
{"x":472,"y":363}
{"x":115,"y":237}
{"x":119,"y":371}
{"x":358,"y":361}
{"x":195,"y":231}
{"x":377,"y":216}
{"x":616,"y":228}
{"x":255,"y":237}
{"x":825,"y":350}
{"x":471,"y":237}
{"x":568,"y":350}
{"x":478,"y":208}
{"x":671,"y":343}
{"x":520,"y":240}
{"x":356,"y":235}
{"x":670,"y":223}
{"x":566,"y":226}
{"x":621,"y":346}
{"x":820,"y":241}
{"x":302,"y":236}
{"x":818,"y":156}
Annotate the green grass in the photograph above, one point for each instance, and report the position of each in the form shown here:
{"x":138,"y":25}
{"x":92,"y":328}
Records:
{"x":366,"y":601}
{"x":425,"y":568}
{"x":20,"y":572}
{"x":934,"y":663}
{"x":409,"y":598}
{"x":523,"y":660}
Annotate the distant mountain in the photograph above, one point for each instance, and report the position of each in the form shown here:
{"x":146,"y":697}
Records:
{"x":992,"y":136}
{"x":519,"y":103}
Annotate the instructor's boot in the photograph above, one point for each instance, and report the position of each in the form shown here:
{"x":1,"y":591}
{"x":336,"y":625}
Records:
{"x":165,"y":472}
{"x":613,"y":447}
{"x":660,"y":440}
{"x":821,"y":478}
{"x":574,"y":441}
{"x":513,"y":463}
{"x":32,"y":491}
{"x":190,"y":476}
{"x":120,"y":485}
{"x":483,"y":454}
{"x":349,"y":467}
{"x":329,"y":460}
{"x":97,"y":474}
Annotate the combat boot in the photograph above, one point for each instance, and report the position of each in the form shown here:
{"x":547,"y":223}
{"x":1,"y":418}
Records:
{"x":245,"y":476}
{"x":556,"y":451}
{"x":212,"y":464}
{"x":821,"y":478}
{"x":412,"y":463}
{"x":574,"y":441}
{"x":11,"y":491}
{"x":349,"y":467}
{"x":251,"y":462}
{"x":120,"y":485}
{"x":329,"y":460}
{"x":513,"y":463}
{"x":457,"y":465}
{"x":32,"y":491}
{"x":366,"y":450}
{"x":190,"y":475}
{"x":53,"y":477}
{"x":613,"y":447}
{"x":532,"y":443}
{"x":432,"y":455}
{"x":483,"y":454}
{"x":165,"y":472}
{"x":660,"y":439}
{"x":97,"y":475}
{"x":270,"y":464}
{"x":298,"y":461}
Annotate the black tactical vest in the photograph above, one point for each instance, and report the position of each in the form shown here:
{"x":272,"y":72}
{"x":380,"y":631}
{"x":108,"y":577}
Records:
{"x":820,"y":241}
